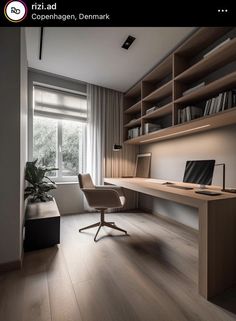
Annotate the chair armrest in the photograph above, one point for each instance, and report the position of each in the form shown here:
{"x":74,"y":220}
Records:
{"x":118,"y":189}
{"x":102,"y":198}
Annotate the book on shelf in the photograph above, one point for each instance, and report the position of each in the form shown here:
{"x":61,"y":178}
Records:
{"x":223,"y":101}
{"x":189,"y":113}
{"x":217,"y":47}
{"x":192,"y":89}
{"x":134,"y":132}
{"x":151,"y":127}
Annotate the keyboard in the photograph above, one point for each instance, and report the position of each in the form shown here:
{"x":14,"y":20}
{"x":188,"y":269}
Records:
{"x":181,"y":187}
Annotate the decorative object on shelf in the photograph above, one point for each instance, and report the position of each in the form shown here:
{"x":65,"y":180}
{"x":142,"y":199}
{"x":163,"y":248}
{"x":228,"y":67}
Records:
{"x":228,"y":190}
{"x":150,"y":110}
{"x":151,"y":127}
{"x":217,"y":47}
{"x":116,"y":148}
{"x":192,"y":89}
{"x":39,"y":183}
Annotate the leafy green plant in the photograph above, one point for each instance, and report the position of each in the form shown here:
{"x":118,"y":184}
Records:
{"x":39,"y":183}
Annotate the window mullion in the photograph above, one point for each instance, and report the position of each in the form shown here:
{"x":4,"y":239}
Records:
{"x":59,"y":148}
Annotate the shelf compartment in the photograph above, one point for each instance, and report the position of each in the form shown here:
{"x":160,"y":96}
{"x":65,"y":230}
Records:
{"x":224,"y":118}
{"x":134,"y":123}
{"x":135,"y":91}
{"x":135,"y":140}
{"x":162,"y":111}
{"x":209,"y":90}
{"x":160,"y":71}
{"x":159,"y":93}
{"x":134,"y":109}
{"x":201,"y":39}
{"x":210,"y":63}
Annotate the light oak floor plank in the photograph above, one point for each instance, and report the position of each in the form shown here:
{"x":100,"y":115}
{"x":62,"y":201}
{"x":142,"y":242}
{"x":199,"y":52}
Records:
{"x":149,"y":275}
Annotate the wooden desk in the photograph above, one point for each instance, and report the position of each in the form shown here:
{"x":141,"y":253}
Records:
{"x":217,"y":230}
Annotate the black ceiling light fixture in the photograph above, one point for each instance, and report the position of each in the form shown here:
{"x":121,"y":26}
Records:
{"x":128,"y":42}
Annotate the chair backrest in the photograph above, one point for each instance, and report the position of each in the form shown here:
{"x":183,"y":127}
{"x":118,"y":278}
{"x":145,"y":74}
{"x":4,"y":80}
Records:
{"x":85,"y":181}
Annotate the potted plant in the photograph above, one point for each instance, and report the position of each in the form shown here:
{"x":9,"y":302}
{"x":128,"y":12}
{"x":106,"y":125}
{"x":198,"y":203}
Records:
{"x":39,"y":183}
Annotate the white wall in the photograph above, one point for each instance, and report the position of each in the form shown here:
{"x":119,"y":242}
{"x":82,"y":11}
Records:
{"x":168,"y":162}
{"x":23,"y":127}
{"x":13,"y":138}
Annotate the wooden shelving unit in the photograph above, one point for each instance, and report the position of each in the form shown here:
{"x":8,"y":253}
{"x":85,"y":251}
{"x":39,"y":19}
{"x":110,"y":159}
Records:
{"x":159,"y":93}
{"x":134,"y":109}
{"x":217,"y":120}
{"x":212,"y":88}
{"x":185,"y":68}
{"x":210,"y":63}
{"x":133,"y":123}
{"x":162,"y":111}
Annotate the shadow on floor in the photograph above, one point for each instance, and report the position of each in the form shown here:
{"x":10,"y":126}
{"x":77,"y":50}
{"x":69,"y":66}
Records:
{"x":150,"y":250}
{"x":39,"y":260}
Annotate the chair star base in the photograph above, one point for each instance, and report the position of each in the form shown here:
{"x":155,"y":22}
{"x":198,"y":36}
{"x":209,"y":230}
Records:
{"x":100,"y":224}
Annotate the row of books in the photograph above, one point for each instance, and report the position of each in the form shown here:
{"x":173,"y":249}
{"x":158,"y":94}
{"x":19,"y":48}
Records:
{"x":223,"y":101}
{"x":134,"y":132}
{"x":189,"y":113}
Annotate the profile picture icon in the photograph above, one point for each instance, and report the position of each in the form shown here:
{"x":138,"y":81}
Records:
{"x":15,"y":11}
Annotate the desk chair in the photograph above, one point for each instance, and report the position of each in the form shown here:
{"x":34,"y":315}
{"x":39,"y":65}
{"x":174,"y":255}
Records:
{"x":101,"y":198}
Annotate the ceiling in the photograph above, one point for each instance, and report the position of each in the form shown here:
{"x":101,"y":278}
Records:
{"x":95,"y":55}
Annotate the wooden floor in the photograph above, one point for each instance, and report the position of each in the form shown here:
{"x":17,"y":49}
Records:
{"x":150,"y":275}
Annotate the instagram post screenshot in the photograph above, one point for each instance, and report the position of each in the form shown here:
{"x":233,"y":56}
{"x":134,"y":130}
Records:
{"x":117,"y":161}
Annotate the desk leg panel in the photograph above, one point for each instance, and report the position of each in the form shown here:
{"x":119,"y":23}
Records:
{"x":217,"y":247}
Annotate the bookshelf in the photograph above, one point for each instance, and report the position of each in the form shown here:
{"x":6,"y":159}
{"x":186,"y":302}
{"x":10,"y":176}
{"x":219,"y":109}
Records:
{"x":157,"y":98}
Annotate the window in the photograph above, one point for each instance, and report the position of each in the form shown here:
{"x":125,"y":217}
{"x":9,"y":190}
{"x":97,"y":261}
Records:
{"x":59,"y":131}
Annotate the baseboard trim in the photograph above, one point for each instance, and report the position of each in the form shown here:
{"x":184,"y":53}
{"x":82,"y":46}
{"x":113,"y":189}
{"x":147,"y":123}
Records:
{"x":10,"y":266}
{"x":170,"y":220}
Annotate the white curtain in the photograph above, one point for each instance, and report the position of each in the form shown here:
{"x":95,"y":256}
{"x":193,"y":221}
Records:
{"x":105,"y":110}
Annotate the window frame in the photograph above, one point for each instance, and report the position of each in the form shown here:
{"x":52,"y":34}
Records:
{"x":59,"y":178}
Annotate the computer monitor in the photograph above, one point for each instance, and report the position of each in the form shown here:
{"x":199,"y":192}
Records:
{"x":199,"y":172}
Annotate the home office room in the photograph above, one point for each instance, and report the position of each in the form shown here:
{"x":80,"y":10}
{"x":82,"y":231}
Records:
{"x":119,"y":177}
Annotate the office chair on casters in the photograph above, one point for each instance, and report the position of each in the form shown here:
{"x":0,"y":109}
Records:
{"x":101,"y":198}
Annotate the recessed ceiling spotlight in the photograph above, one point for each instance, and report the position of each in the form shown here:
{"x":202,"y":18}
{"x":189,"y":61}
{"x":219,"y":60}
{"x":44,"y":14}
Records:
{"x":128,"y":42}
